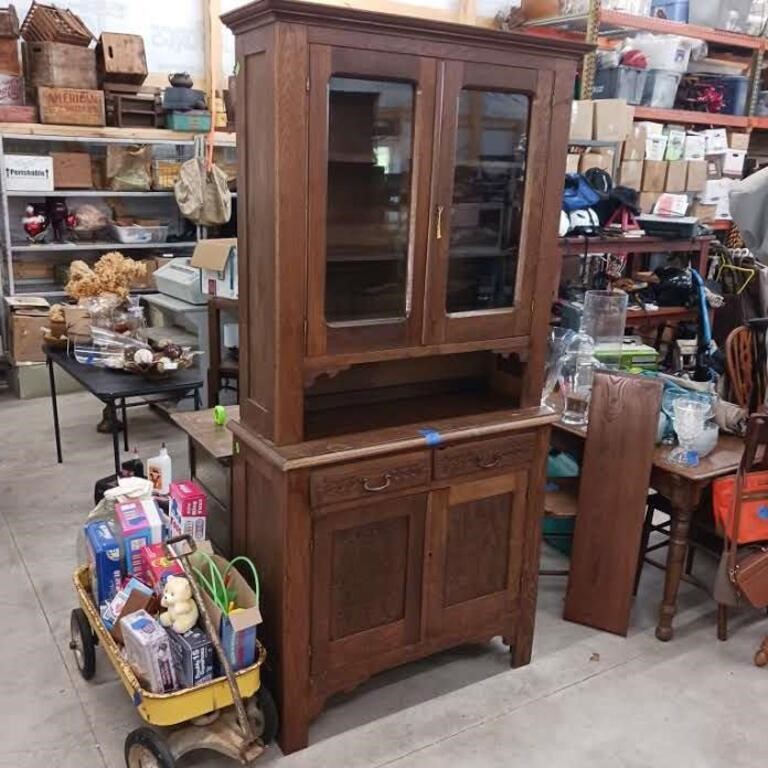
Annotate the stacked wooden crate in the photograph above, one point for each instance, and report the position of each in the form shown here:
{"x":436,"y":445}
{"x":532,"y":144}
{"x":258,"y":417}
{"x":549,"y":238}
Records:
{"x":11,"y":81}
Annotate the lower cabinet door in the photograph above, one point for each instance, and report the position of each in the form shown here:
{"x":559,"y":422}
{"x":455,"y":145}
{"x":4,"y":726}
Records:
{"x":476,"y":532}
{"x":367,"y":568}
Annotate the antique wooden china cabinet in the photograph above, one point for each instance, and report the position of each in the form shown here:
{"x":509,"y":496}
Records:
{"x":399,"y":193}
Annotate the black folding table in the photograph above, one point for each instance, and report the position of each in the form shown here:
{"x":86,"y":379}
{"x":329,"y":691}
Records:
{"x":115,"y":388}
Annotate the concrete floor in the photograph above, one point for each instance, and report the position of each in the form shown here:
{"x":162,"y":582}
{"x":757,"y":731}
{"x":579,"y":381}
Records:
{"x":588,"y":698}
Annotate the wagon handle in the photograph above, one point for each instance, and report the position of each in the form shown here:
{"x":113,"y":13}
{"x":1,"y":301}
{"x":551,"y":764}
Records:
{"x":242,"y":718}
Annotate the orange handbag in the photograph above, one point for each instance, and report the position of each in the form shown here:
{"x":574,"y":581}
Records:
{"x":753,"y":522}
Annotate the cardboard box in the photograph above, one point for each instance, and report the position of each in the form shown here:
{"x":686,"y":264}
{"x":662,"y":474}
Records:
{"x":139,"y":525}
{"x":148,"y":651}
{"x":716,"y":141}
{"x":611,"y":120}
{"x":631,"y":173}
{"x":646,"y":201}
{"x":696,"y":175}
{"x":238,"y":629}
{"x":572,"y":163}
{"x":78,"y":323}
{"x":27,"y":318}
{"x":655,"y":147}
{"x":217,"y":261}
{"x":29,"y":172}
{"x":193,"y":656}
{"x":72,"y":170}
{"x":702,"y":211}
{"x":104,"y":561}
{"x":654,"y":175}
{"x":157,"y":566}
{"x":634,"y":145}
{"x":724,"y":203}
{"x":738,"y":140}
{"x":676,"y":176}
{"x":602,"y":159}
{"x":112,"y":612}
{"x":714,"y":191}
{"x":582,"y":119}
{"x":733,"y":162}
{"x":651,"y":129}
{"x":188,"y":510}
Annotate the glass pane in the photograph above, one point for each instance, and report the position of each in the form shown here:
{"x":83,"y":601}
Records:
{"x":370,"y":126}
{"x":488,"y":185}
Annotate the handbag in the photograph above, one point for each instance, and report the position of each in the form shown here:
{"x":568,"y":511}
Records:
{"x":578,"y":193}
{"x":753,"y":523}
{"x":748,"y":571}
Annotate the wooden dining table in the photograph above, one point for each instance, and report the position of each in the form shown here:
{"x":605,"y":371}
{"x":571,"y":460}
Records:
{"x":684,"y":487}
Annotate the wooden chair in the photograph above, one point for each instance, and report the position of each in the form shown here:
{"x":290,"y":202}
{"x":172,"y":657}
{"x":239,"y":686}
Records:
{"x":609,"y":515}
{"x":745,"y":361}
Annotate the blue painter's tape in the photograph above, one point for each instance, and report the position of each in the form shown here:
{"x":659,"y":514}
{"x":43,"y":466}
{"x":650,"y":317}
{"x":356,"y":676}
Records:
{"x":432,"y":436}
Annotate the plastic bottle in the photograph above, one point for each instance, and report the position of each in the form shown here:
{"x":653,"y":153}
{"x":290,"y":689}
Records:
{"x":159,"y":471}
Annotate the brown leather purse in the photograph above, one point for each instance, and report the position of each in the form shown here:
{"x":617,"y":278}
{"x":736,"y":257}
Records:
{"x":748,"y":570}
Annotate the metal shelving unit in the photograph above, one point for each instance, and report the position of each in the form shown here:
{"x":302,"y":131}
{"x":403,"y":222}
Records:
{"x":604,"y":23}
{"x":26,"y":139}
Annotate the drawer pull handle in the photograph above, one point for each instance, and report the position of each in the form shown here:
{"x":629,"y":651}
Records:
{"x":492,"y":464}
{"x":376,"y":488}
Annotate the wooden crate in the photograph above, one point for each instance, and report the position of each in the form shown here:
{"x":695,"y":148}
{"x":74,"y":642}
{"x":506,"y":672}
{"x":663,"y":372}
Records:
{"x":72,"y":170}
{"x":11,"y":90}
{"x":13,"y":114}
{"x":9,"y":23}
{"x":47,"y":23}
{"x":131,"y":106}
{"x":70,"y":106}
{"x":10,"y":64}
{"x":59,"y":65}
{"x":122,"y":58}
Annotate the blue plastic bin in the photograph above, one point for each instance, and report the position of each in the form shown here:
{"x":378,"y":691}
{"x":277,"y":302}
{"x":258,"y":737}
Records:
{"x":674,"y":10}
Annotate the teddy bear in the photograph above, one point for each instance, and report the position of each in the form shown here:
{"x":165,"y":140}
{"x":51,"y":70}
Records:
{"x":182,"y":612}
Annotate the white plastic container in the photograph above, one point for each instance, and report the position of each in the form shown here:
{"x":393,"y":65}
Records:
{"x":668,"y":52}
{"x":159,"y":471}
{"x":135,"y":234}
{"x":661,"y":89}
{"x":731,"y":15}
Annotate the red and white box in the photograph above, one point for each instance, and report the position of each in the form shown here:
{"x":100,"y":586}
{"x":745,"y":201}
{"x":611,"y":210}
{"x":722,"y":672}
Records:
{"x":188,"y":509}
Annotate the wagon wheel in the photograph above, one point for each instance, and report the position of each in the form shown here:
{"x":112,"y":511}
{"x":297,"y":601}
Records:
{"x":145,"y":748}
{"x":82,"y":643}
{"x":270,"y":718}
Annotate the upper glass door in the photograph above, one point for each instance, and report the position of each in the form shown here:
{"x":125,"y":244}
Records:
{"x":488,"y":194}
{"x":370,"y":132}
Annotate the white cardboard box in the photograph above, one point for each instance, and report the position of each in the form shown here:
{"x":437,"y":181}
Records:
{"x":695,"y":147}
{"x":217,"y":261}
{"x":717,"y":141}
{"x":655,"y":147}
{"x":29,"y":172}
{"x":733,"y":162}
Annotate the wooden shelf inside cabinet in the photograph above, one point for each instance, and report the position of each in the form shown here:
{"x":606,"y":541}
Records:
{"x":691,"y":117}
{"x":615,"y":23}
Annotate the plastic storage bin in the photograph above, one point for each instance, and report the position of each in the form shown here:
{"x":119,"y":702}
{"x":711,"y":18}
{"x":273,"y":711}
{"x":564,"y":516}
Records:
{"x":734,"y":90}
{"x":720,"y":14}
{"x":660,"y":89}
{"x":135,"y":234}
{"x":674,"y":10}
{"x":620,"y":83}
{"x":668,"y":52}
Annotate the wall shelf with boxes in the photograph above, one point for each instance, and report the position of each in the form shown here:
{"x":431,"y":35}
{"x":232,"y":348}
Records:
{"x":68,"y":206}
{"x":602,"y":26}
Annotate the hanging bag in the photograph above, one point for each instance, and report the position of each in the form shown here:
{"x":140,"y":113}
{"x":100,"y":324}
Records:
{"x":202,"y":189}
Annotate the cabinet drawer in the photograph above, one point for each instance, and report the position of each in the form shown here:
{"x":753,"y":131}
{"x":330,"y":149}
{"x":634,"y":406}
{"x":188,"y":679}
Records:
{"x":484,"y":455}
{"x":369,"y":479}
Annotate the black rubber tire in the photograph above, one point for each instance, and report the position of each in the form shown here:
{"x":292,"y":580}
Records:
{"x":269,"y":712}
{"x":150,"y":741}
{"x":82,"y":643}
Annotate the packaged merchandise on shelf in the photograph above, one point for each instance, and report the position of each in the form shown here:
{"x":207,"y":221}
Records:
{"x":160,"y":471}
{"x":655,"y":147}
{"x":695,"y":146}
{"x":738,"y":140}
{"x":670,"y":204}
{"x":716,"y":141}
{"x":188,"y":510}
{"x":148,"y":650}
{"x":104,"y":561}
{"x":724,"y":203}
{"x":113,"y":610}
{"x":193,"y":656}
{"x":631,"y":173}
{"x":634,"y":145}
{"x":675,"y":144}
{"x":696,"y":175}
{"x":157,"y":566}
{"x":139,"y":524}
{"x":612,"y":120}
{"x":733,"y":162}
{"x":582,"y":119}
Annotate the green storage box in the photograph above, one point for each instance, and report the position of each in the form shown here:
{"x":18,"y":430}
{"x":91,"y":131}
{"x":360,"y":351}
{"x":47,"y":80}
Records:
{"x":195,"y":121}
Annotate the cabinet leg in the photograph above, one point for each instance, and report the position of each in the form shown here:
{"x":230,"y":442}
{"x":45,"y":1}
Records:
{"x":520,"y":649}
{"x":294,"y":731}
